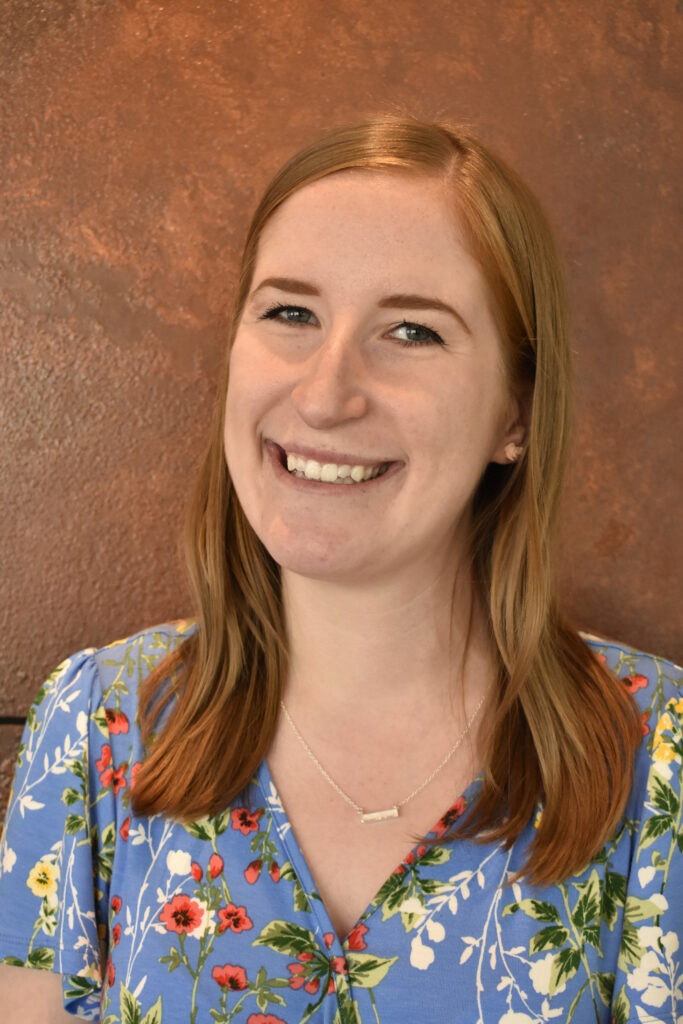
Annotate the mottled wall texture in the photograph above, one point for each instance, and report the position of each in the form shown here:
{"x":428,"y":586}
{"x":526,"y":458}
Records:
{"x":135,"y":137}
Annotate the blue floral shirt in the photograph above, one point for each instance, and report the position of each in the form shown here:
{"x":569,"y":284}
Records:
{"x":153,"y":922}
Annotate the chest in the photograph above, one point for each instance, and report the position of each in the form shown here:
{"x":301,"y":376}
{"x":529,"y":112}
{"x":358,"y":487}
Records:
{"x":351,"y":861}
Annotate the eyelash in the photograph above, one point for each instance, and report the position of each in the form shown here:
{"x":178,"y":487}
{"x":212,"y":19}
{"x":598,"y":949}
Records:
{"x":272,"y":314}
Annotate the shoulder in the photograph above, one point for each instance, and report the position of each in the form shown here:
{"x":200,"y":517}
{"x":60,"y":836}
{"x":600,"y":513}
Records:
{"x":113,"y":674}
{"x":655,"y":682}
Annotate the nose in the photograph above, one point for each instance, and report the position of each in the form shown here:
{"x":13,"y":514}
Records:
{"x":331,"y":388}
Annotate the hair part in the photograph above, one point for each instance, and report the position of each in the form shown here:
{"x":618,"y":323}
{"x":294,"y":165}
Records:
{"x":562,"y":730}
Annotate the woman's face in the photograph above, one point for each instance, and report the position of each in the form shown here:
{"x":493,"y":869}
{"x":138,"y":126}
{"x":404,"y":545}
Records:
{"x":367,"y":268}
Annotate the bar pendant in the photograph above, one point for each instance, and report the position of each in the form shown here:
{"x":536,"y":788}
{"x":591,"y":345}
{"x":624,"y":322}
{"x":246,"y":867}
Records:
{"x":390,"y":812}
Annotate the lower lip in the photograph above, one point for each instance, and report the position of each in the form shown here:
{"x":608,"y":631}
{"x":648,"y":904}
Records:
{"x":274,"y":456}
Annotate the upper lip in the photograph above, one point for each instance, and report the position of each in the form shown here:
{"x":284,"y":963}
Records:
{"x":323,"y":455}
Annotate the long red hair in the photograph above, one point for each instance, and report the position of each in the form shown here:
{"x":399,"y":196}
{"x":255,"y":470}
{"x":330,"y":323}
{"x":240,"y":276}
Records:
{"x":562,"y":729}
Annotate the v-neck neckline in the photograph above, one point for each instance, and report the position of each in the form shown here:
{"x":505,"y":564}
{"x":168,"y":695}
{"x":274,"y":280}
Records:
{"x":287,"y":836}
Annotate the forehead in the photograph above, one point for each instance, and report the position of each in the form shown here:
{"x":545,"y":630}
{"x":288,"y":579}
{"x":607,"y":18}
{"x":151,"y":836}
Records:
{"x":375,"y":227}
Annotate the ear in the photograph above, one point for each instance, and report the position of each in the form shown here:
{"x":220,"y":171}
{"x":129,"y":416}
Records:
{"x":514,"y":430}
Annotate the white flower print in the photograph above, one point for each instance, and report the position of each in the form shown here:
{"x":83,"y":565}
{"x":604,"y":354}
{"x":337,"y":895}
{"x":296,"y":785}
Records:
{"x":9,"y":859}
{"x":540,"y":972}
{"x":207,"y":922}
{"x":178,"y":862}
{"x":657,"y":976}
{"x":421,"y":956}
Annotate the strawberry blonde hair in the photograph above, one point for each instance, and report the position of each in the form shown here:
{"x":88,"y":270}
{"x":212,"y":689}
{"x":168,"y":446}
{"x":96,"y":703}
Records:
{"x":562,"y":729}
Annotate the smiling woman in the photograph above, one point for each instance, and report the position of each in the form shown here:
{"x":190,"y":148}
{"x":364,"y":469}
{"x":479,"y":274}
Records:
{"x":378,"y":659}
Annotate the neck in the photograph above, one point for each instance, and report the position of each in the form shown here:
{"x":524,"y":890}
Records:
{"x":374,"y":655}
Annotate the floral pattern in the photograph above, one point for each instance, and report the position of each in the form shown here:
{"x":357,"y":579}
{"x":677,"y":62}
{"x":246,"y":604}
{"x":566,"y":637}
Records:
{"x":150,"y":921}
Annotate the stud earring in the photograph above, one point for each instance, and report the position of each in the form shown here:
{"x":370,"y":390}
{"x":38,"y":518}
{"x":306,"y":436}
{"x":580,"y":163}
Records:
{"x":513,"y":451}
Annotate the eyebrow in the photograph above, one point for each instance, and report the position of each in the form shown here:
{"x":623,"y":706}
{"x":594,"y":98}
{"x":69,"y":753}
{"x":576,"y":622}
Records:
{"x":400,"y":301}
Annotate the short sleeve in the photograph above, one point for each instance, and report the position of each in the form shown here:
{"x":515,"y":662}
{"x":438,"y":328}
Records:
{"x":57,"y":844}
{"x":649,"y":980}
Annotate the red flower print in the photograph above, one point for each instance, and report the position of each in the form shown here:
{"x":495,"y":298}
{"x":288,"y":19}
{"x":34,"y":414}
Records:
{"x":182,"y":914}
{"x":134,"y":772}
{"x":215,"y":865}
{"x":297,"y":971}
{"x":116,"y":720}
{"x":330,"y":987}
{"x":111,"y":973}
{"x":328,"y":938}
{"x":105,"y":759}
{"x":252,"y":871}
{"x":312,"y":986}
{"x":125,"y":829}
{"x":355,"y":938}
{"x":244,"y":821}
{"x":116,"y":904}
{"x":635,"y":683}
{"x":450,"y":817}
{"x":196,"y":871}
{"x":230,"y":976}
{"x":115,"y":934}
{"x":644,"y":727}
{"x":275,"y":871}
{"x":115,"y":777}
{"x":304,"y":957}
{"x":339,"y":965}
{"x":264,"y":1018}
{"x":234,"y":918}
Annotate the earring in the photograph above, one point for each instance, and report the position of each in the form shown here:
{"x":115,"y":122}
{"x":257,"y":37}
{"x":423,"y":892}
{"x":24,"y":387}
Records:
{"x":513,"y":451}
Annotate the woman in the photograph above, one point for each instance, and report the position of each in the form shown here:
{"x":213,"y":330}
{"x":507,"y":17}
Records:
{"x":377,"y":648}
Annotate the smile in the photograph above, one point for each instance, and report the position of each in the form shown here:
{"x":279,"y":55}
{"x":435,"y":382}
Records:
{"x":326,"y":475}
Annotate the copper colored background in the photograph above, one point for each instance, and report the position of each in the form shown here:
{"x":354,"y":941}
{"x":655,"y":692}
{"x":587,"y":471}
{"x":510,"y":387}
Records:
{"x":135,"y":138}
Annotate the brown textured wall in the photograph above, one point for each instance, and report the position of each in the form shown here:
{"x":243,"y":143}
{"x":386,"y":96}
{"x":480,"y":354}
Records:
{"x":135,"y":137}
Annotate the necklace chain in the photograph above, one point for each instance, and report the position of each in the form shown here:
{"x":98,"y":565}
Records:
{"x":393,"y":811}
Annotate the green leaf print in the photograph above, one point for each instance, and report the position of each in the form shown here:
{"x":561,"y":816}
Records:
{"x":655,"y":827}
{"x":130,"y":1007}
{"x":551,"y":937}
{"x":621,"y":1009}
{"x":565,"y":965}
{"x":301,"y":901}
{"x":77,"y":986}
{"x":12,"y":961}
{"x":630,"y":950}
{"x":42,"y":957}
{"x":366,"y":970}
{"x":638,"y":909}
{"x":173,"y":959}
{"x":613,"y":896}
{"x":287,"y":938}
{"x":662,"y":795}
{"x":539,"y":910}
{"x":71,"y":796}
{"x":605,"y":986}
{"x":74,"y":824}
{"x":347,"y":1010}
{"x":153,"y":1015}
{"x":588,"y":903}
{"x":200,"y":829}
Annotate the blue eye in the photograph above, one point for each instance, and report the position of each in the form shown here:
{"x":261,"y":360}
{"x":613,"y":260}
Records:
{"x":418,"y":334}
{"x":429,"y":336}
{"x":273,"y":313}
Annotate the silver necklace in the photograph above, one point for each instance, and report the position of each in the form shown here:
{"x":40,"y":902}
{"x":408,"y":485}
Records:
{"x":389,"y":812}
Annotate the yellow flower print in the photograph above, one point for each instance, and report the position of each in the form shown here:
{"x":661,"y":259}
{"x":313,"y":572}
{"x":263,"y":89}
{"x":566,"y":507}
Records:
{"x":663,"y":725}
{"x":42,"y":879}
{"x":663,"y":752}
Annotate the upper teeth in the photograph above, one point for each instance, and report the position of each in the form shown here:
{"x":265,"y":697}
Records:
{"x":330,"y":472}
